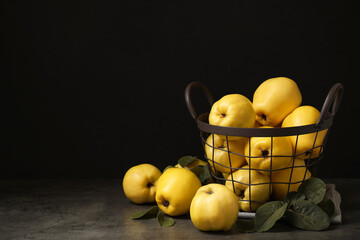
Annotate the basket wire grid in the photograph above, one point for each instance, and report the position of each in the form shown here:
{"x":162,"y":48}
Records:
{"x":311,"y":164}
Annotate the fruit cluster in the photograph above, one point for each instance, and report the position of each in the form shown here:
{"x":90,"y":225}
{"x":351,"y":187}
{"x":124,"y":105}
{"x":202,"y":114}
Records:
{"x":277,"y":163}
{"x":178,"y":190}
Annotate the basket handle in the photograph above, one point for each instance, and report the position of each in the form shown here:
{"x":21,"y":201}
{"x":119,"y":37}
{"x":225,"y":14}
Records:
{"x":188,"y":101}
{"x":333,"y":97}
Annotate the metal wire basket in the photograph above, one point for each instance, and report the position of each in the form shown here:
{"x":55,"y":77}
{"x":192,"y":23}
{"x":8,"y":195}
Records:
{"x":244,"y":180}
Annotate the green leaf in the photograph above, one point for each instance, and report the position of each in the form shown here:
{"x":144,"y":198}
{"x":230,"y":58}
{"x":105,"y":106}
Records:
{"x":203,"y":173}
{"x":160,"y":217}
{"x":185,"y":160}
{"x":328,"y":206}
{"x":246,"y":226}
{"x":267,"y":215}
{"x":150,"y":213}
{"x":314,"y":189}
{"x":198,"y":170}
{"x":168,"y":222}
{"x":164,"y":222}
{"x":292,"y":197}
{"x":307,"y":215}
{"x":168,"y":168}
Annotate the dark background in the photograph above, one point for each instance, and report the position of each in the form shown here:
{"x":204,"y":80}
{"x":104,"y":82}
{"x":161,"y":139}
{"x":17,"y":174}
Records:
{"x":95,"y":87}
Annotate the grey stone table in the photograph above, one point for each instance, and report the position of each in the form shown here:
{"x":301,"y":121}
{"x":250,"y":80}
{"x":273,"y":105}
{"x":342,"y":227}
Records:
{"x":98,"y":209}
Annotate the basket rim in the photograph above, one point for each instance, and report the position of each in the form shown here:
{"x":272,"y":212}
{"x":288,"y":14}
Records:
{"x":204,"y":126}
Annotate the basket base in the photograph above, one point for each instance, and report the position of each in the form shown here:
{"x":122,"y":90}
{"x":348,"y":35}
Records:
{"x":246,"y":215}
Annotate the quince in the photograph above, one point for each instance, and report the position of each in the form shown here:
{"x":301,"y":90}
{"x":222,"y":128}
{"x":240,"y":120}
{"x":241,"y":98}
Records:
{"x":217,"y":149}
{"x":289,"y":179}
{"x":214,"y":208}
{"x":176,"y":188}
{"x":139,"y":183}
{"x":232,"y":110}
{"x":266,"y":153}
{"x":274,"y":99}
{"x":305,"y":115}
{"x":252,"y":191}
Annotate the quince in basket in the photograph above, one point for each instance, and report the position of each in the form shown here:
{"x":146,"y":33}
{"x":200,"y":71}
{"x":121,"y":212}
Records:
{"x":274,"y":99}
{"x":255,"y":188}
{"x":217,"y":149}
{"x":266,"y":153}
{"x":293,"y":176}
{"x":305,"y":115}
{"x":232,"y":110}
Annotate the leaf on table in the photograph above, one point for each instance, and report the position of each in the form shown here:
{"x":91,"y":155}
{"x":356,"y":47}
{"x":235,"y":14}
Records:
{"x":160,"y":217}
{"x":267,"y":215}
{"x":164,"y":222}
{"x":149,"y":213}
{"x":314,"y":189}
{"x":306,"y":215}
{"x":185,"y":160}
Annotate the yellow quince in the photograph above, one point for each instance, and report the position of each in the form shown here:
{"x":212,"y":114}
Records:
{"x":175,"y":189}
{"x":266,"y":153}
{"x":214,"y":208}
{"x":289,"y":179}
{"x":139,"y":183}
{"x":274,"y":99}
{"x":223,"y":154}
{"x":306,"y":145}
{"x":252,"y":191}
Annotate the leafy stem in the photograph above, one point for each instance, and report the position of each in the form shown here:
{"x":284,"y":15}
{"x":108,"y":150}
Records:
{"x":305,"y":209}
